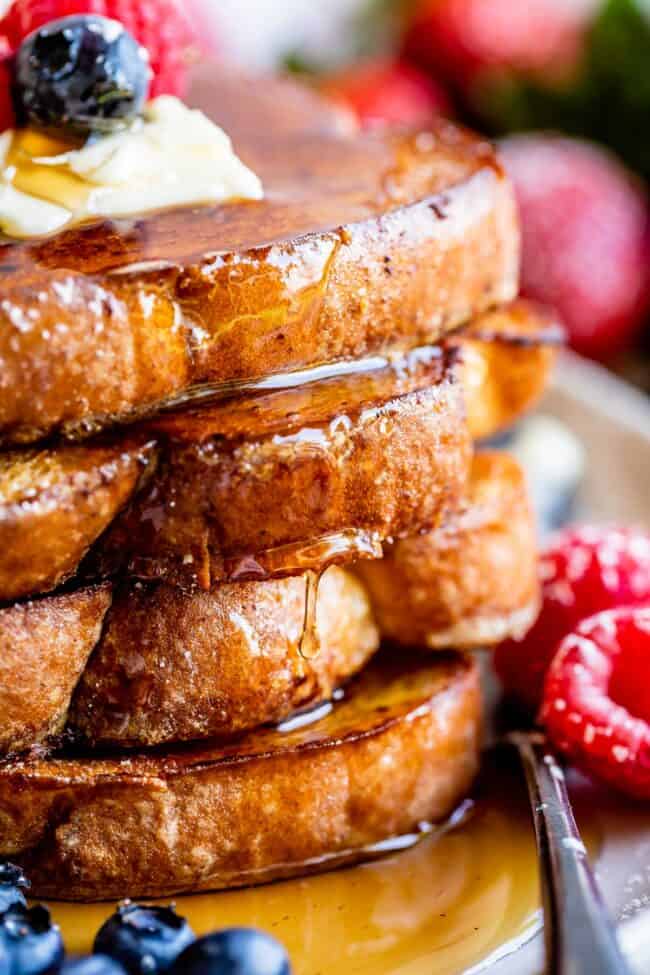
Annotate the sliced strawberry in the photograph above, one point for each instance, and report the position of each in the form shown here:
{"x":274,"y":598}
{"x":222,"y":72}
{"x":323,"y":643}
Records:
{"x":583,"y":571}
{"x":464,"y":39}
{"x":596,"y":706}
{"x":586,"y":239}
{"x":387,"y":92}
{"x":164,"y":27}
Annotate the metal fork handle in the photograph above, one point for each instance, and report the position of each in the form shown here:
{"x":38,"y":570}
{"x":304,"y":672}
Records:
{"x":579,"y":934}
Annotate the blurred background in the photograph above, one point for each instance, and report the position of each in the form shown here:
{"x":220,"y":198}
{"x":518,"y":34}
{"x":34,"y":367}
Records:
{"x":563,"y":84}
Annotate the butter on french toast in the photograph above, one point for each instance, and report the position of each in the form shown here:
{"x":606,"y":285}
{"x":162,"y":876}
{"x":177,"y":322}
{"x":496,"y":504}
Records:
{"x":364,"y":243}
{"x":401,"y":749}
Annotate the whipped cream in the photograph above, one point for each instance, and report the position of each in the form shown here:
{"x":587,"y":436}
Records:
{"x":173,"y":156}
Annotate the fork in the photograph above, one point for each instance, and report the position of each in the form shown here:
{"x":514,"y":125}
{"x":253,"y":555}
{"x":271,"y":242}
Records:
{"x":579,"y":934}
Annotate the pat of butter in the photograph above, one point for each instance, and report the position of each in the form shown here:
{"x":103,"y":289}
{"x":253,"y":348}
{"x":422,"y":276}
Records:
{"x":173,"y":156}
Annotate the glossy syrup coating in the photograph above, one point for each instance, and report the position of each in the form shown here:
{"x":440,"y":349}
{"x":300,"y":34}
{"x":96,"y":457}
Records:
{"x":218,"y":510}
{"x":54,"y":502}
{"x":363,"y":243}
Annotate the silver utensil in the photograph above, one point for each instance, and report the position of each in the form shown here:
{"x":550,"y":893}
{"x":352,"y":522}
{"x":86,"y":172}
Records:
{"x":579,"y":934}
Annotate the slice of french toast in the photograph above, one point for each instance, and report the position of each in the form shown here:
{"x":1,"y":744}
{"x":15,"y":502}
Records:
{"x":399,"y":751}
{"x":176,"y":666}
{"x":172,"y":666}
{"x":162,"y":665}
{"x":219,"y":510}
{"x":472,"y":582}
{"x":506,"y":358}
{"x":54,"y":503}
{"x":364,"y":243}
{"x":44,"y":647}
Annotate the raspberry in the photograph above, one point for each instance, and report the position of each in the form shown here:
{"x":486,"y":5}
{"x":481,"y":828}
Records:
{"x":596,"y":706}
{"x":161,"y":26}
{"x":386,"y":92}
{"x":583,"y":571}
{"x":586,"y":239}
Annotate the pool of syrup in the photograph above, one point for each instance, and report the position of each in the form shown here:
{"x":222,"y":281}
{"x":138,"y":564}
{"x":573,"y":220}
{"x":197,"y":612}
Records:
{"x":453,"y":902}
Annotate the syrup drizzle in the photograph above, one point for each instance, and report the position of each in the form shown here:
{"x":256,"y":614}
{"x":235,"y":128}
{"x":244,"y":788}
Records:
{"x":309,"y":646}
{"x":441,"y":900}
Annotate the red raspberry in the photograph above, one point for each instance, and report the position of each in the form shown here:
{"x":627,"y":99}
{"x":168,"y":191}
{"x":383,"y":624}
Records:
{"x":596,"y":706}
{"x":387,"y":92}
{"x":586,"y":239}
{"x":463,"y":39}
{"x":162,"y":26}
{"x":583,"y":571}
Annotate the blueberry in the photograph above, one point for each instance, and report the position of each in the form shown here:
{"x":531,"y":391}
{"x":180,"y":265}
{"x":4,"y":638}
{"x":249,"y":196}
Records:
{"x":92,"y":965}
{"x":32,"y":944}
{"x":145,"y":940}
{"x":12,"y":884}
{"x":85,"y":73}
{"x":235,"y":951}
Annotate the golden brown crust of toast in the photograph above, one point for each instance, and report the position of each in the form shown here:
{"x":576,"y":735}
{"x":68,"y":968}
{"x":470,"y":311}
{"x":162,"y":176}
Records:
{"x":473,"y":582}
{"x":161,"y":665}
{"x":54,"y":504}
{"x":364,"y":243}
{"x":52,"y":510}
{"x":177,"y":667}
{"x":44,"y":647}
{"x":506,"y":358}
{"x":401,"y":749}
{"x":215,"y":511}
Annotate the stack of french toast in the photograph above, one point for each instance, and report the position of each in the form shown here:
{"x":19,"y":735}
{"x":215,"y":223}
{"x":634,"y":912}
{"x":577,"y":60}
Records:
{"x":247,"y":529}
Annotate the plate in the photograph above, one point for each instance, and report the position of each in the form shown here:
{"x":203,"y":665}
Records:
{"x":465,"y":899}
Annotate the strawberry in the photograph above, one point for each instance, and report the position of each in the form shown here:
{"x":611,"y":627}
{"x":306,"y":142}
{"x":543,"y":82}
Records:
{"x":387,"y":92}
{"x":583,"y":571}
{"x":586,"y":239}
{"x":7,"y":117}
{"x":596,"y":706}
{"x":162,"y":26}
{"x":465,"y":40}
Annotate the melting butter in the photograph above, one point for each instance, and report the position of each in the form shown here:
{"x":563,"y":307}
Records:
{"x":172,"y":156}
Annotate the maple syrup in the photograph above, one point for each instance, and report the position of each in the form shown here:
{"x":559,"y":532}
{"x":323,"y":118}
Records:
{"x":309,"y":645}
{"x":453,"y":900}
{"x":52,"y":183}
